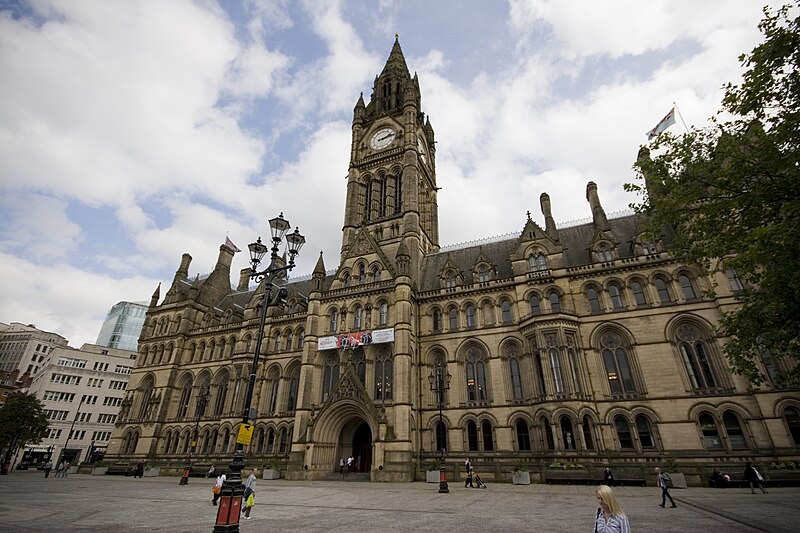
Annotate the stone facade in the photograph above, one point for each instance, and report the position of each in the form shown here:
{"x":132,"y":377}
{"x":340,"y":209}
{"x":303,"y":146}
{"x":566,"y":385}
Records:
{"x":581,"y":345}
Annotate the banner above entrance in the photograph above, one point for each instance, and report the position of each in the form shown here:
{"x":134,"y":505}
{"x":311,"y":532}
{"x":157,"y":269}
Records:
{"x":359,"y":338}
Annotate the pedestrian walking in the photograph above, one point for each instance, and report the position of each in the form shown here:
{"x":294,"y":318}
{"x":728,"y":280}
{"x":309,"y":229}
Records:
{"x":217,"y":488}
{"x":467,"y":464}
{"x":59,"y":469}
{"x":249,"y":496}
{"x":662,"y":480}
{"x":610,"y":518}
{"x":210,"y":472}
{"x":754,"y":477}
{"x":65,"y":471}
{"x":341,"y":467}
{"x":468,"y":482}
{"x":48,"y":466}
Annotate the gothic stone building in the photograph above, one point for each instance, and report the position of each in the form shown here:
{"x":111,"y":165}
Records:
{"x":579,"y":345}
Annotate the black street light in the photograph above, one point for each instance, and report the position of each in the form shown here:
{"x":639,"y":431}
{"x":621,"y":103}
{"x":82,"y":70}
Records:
{"x":202,"y":398}
{"x":440,"y":383}
{"x":230,"y":501}
{"x":69,"y":435}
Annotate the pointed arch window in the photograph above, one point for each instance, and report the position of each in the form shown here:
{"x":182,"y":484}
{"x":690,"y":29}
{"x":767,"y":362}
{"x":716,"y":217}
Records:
{"x":347,"y":280}
{"x":623,"y":433}
{"x":645,"y":432}
{"x":516,"y":378}
{"x":362,"y":274}
{"x":488,"y":437}
{"x":537,"y":262}
{"x":505,"y":308}
{"x":360,"y":365}
{"x":294,"y":383}
{"x":270,"y":441}
{"x":661,"y":289}
{"x":383,"y":374}
{"x":260,"y":440}
{"x":441,"y":436}
{"x":710,"y":432}
{"x":603,"y":253}
{"x":616,"y":297}
{"x":383,"y":315}
{"x":523,"y":436}
{"x":588,"y":439}
{"x":733,"y":280}
{"x":472,"y":436}
{"x":453,"y":319}
{"x":555,"y":302}
{"x":277,"y":346}
{"x":638,"y":294}
{"x":483,"y":274}
{"x":376,"y":274}
{"x":334,"y":321}
{"x":536,"y":306}
{"x":734,"y":430}
{"x":695,"y":355}
{"x":450,"y":279}
{"x":791,"y":416}
{"x":222,"y":396}
{"x":594,"y":300}
{"x":301,"y":338}
{"x":575,"y":370}
{"x":186,"y":395}
{"x":548,"y":434}
{"x":470,"y":316}
{"x":284,"y":439}
{"x":686,"y":287}
{"x":330,"y":374}
{"x":145,"y":392}
{"x":273,"y":380}
{"x":289,"y":340}
{"x":476,"y":375}
{"x":555,"y":364}
{"x":437,"y":320}
{"x":615,"y":359}
{"x":358,"y":317}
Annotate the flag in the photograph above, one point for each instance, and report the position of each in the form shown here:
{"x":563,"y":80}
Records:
{"x":665,"y":123}
{"x":229,"y":244}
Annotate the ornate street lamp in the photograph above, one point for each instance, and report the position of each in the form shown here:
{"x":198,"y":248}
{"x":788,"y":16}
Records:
{"x":202,"y":398}
{"x":230,"y":501}
{"x":440,"y":383}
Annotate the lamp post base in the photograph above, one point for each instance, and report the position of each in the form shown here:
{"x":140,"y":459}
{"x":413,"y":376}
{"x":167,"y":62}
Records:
{"x":185,"y":477}
{"x":443,"y":479}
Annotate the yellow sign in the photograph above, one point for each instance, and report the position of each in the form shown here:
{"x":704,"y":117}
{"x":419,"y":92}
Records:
{"x":245,"y":434}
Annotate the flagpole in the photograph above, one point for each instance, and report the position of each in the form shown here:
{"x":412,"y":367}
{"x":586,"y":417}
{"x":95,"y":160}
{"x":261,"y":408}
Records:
{"x":679,"y":114}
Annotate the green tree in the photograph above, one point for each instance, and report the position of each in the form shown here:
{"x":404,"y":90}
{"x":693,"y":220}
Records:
{"x":22,"y":422}
{"x":731,"y":192}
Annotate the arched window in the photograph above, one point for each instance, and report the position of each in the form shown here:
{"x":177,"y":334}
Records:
{"x":301,"y":338}
{"x":383,"y":374}
{"x":733,"y":280}
{"x":362,"y":274}
{"x":284,"y":440}
{"x":567,"y":433}
{"x":330,"y":375}
{"x":603,"y":253}
{"x":645,"y":433}
{"x":383,"y":315}
{"x":186,"y":395}
{"x":289,"y":340}
{"x":663,"y":292}
{"x":555,"y":364}
{"x":441,"y":436}
{"x":359,"y":363}
{"x":695,"y":355}
{"x":277,"y":346}
{"x":260,"y":440}
{"x":453,"y":319}
{"x":555,"y":302}
{"x":791,"y":415}
{"x":638,"y":294}
{"x":294,"y":383}
{"x":505,"y":307}
{"x":472,"y":436}
{"x":334,"y":321}
{"x":476,"y":375}
{"x":516,"y":378}
{"x":623,"y":433}
{"x":470,"y":316}
{"x":594,"y":300}
{"x":588,"y":439}
{"x":686,"y":287}
{"x":523,"y":436}
{"x":270,"y":440}
{"x":708,"y":426}
{"x":358,"y":317}
{"x":616,"y":297}
{"x":222,"y":395}
{"x":549,"y":441}
{"x":483,"y":274}
{"x":347,"y":280}
{"x":575,"y":369}
{"x":734,"y":430}
{"x":450,"y":279}
{"x":437,"y":320}
{"x":615,"y":359}
{"x":144,"y":393}
{"x":376,"y":274}
{"x":536,"y":306}
{"x":537,"y":262}
{"x":488,"y":439}
{"x":273,"y":380}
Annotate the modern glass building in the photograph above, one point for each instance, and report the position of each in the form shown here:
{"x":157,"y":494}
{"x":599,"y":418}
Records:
{"x":122,"y":326}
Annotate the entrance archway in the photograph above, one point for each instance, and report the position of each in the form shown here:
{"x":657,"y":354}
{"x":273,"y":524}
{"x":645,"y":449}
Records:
{"x":362,"y":448}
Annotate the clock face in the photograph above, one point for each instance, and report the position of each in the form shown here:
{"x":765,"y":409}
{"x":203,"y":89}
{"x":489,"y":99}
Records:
{"x":382,"y":138}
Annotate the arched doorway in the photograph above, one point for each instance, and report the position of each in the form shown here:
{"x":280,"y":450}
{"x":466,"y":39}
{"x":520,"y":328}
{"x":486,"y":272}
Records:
{"x":362,"y":448}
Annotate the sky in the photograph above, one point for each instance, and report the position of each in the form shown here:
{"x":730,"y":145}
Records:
{"x":132,"y":132}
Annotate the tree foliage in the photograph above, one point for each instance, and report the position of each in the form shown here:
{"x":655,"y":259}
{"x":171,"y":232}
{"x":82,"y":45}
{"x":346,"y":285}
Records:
{"x":731,"y":191}
{"x":22,"y":422}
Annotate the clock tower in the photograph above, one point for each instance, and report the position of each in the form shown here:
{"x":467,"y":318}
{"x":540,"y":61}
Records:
{"x":391,"y":183}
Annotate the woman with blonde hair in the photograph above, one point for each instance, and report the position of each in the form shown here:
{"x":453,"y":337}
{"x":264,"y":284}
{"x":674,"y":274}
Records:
{"x":610,"y":517}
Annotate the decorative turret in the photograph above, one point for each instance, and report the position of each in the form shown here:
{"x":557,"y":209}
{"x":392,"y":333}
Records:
{"x":156,"y":296}
{"x":389,"y":91}
{"x":549,"y":223}
{"x":402,"y":257}
{"x":598,"y":215}
{"x":218,"y":283}
{"x":244,"y":279}
{"x":318,"y":276}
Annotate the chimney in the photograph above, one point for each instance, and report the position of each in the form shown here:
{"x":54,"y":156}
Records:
{"x":598,"y":215}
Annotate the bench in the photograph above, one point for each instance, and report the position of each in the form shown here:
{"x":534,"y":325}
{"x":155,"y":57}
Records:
{"x":120,"y":469}
{"x":570,"y":477}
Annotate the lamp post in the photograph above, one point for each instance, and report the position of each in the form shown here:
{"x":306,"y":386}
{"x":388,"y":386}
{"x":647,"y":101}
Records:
{"x":230,"y":501}
{"x":202,"y":398}
{"x":440,"y":382}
